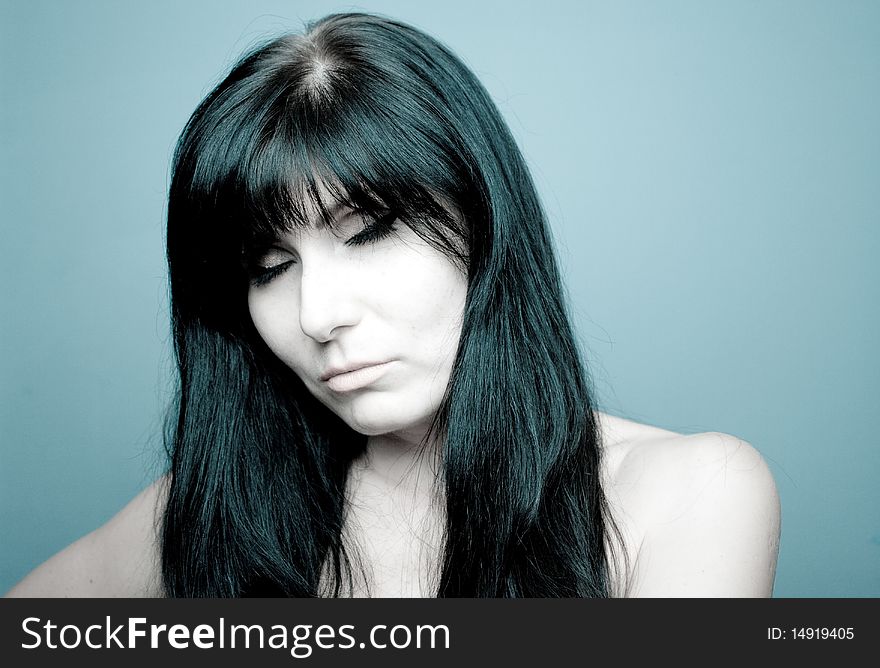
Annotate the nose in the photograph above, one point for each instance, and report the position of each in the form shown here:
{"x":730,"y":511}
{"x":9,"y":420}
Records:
{"x":327,"y":303}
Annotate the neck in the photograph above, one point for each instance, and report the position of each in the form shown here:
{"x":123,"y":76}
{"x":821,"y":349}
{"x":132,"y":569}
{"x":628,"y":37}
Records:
{"x":396,"y":508}
{"x":402,"y":463}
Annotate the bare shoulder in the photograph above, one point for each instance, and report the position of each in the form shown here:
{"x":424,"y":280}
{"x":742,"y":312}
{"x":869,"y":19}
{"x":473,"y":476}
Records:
{"x":118,"y":559}
{"x":700,"y":512}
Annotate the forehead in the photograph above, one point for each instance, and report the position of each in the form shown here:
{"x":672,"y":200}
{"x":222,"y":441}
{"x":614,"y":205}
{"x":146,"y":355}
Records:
{"x":307,"y":203}
{"x":321,"y":203}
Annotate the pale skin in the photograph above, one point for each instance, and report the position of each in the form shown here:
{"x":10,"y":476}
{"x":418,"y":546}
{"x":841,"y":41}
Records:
{"x":699,"y":514}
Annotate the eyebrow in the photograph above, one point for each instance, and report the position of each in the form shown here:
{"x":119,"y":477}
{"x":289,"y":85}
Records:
{"x":269,"y":238}
{"x":333,"y":213}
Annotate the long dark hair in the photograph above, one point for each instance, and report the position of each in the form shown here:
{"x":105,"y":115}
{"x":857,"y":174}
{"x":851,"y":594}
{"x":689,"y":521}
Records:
{"x":386,"y":118}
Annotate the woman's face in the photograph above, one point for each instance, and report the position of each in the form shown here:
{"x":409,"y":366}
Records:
{"x":367,"y":314}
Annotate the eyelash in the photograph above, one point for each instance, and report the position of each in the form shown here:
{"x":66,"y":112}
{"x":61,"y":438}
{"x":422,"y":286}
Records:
{"x":375,"y":231}
{"x":378,"y":229}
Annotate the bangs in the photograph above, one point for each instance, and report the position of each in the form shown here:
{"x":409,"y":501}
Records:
{"x":307,"y":159}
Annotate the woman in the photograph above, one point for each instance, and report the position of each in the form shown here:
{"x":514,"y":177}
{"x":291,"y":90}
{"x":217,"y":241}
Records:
{"x":380,"y":393}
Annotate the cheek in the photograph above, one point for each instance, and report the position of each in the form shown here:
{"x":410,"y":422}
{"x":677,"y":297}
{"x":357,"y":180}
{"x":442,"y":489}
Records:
{"x":432,"y":304}
{"x":442,"y":298}
{"x":276,"y":323}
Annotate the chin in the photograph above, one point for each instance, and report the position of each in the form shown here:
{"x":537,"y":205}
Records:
{"x":369,"y":430}
{"x":374,"y":421}
{"x":373,"y":425}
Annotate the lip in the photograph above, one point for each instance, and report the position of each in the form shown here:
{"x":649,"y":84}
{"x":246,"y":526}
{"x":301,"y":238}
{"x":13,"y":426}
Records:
{"x":354,"y":376}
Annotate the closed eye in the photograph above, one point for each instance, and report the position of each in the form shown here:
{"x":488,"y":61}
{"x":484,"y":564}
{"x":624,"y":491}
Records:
{"x":264,"y":266}
{"x":262,"y":275}
{"x":374,"y":231}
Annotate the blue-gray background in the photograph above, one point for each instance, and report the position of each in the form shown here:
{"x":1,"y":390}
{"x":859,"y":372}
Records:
{"x":711,"y":171}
